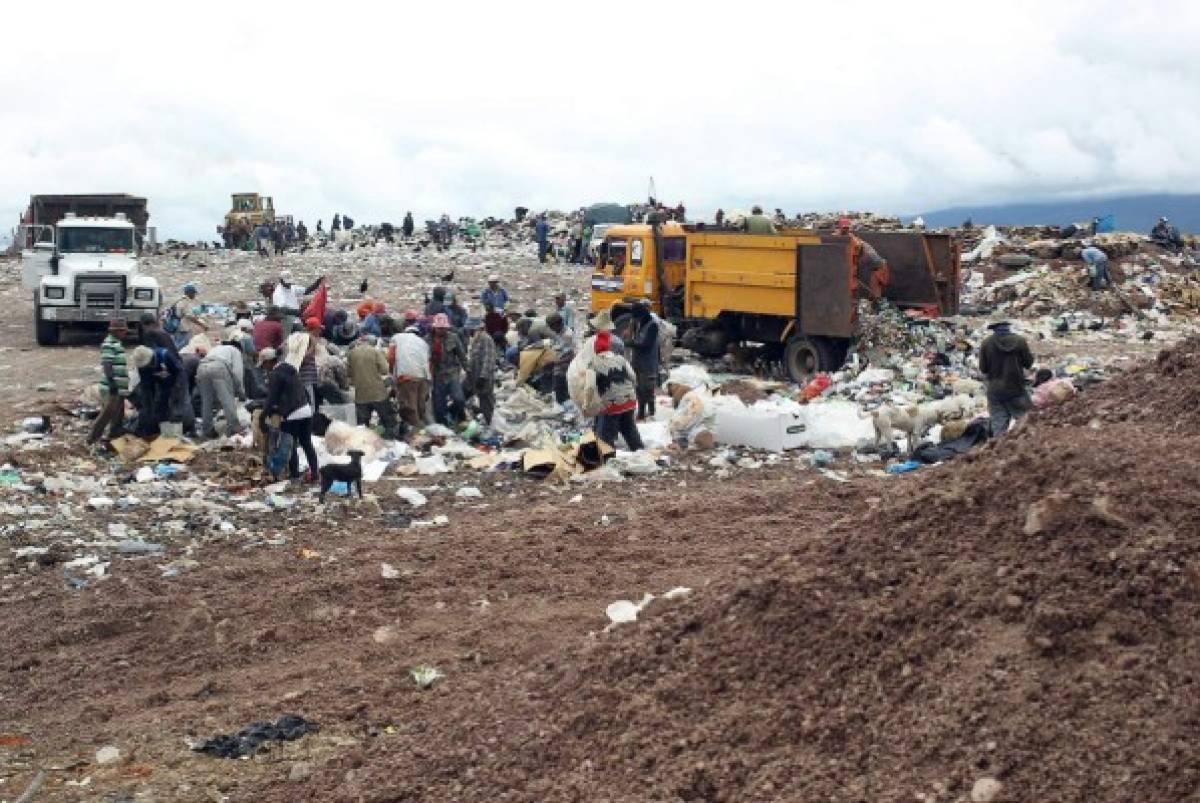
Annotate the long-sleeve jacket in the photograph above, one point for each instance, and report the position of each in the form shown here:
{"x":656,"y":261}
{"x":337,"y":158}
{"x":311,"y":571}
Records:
{"x":285,"y":393}
{"x":1003,"y":359}
{"x":498,"y":298}
{"x":643,"y":348}
{"x":368,"y":367}
{"x":231,"y":358}
{"x":481,"y":359}
{"x":448,"y":360}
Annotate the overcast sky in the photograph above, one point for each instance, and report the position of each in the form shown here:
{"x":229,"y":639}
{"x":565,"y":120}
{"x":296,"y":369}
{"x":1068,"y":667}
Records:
{"x":475,"y":108}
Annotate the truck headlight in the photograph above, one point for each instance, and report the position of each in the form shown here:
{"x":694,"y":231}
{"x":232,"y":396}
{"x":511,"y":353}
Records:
{"x":56,"y":292}
{"x":143,"y":294}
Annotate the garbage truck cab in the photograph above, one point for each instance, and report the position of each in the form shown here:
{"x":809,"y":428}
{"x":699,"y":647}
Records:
{"x":83,"y":272}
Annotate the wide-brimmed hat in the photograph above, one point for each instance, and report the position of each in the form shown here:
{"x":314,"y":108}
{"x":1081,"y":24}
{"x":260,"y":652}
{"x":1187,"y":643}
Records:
{"x":602,"y":321}
{"x":495,"y":277}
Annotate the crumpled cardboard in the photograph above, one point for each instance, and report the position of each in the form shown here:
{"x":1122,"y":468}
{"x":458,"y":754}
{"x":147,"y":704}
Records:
{"x":129,"y":447}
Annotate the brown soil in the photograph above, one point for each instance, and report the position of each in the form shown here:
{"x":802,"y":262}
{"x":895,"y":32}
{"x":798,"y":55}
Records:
{"x":1026,"y":614}
{"x":497,"y":598}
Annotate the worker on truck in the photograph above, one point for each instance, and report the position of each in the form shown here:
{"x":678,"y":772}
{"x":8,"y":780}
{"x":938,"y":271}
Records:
{"x":758,"y":223}
{"x":870,"y":269}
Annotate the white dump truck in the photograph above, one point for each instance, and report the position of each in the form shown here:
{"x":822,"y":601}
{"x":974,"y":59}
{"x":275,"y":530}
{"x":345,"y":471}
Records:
{"x":83,"y":272}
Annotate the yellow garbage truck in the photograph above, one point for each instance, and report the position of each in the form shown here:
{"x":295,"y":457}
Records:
{"x":794,"y":292}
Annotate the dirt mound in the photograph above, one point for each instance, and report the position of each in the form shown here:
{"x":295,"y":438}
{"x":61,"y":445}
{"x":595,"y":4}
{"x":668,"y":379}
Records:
{"x":1022,"y":619}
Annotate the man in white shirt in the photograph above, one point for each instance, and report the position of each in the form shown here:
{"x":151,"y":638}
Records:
{"x":410,"y":366}
{"x":290,"y":298}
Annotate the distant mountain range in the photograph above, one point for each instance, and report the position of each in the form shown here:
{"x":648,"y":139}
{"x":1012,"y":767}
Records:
{"x":1132,"y":213}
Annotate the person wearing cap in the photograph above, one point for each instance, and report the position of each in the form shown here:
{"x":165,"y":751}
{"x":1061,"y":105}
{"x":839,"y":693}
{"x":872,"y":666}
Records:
{"x":115,"y":383}
{"x":481,"y":368}
{"x":409,"y":357}
{"x":221,"y":377}
{"x":1097,"y":262}
{"x":184,"y":310}
{"x":290,"y":298}
{"x":447,"y":360}
{"x":758,"y":223}
{"x":160,"y":372}
{"x":494,"y":294}
{"x":617,"y":396}
{"x":1003,"y":359}
{"x":368,"y":369}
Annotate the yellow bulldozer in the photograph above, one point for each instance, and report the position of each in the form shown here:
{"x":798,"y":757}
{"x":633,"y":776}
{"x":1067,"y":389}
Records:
{"x":247,"y":211}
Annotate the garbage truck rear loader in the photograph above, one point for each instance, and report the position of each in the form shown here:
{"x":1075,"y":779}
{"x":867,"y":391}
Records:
{"x":795,"y":292}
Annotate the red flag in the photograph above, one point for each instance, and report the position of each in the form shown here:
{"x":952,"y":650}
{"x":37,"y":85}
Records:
{"x":316,"y":307}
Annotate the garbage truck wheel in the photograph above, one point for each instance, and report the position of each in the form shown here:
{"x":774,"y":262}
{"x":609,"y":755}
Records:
{"x":804,"y":357}
{"x":46,"y":332}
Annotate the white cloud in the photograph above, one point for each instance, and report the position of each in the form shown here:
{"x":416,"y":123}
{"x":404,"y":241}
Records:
{"x":476,"y":108}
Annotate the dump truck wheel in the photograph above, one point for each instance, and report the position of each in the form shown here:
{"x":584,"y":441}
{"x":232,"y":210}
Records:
{"x":804,"y":357}
{"x":46,"y":332}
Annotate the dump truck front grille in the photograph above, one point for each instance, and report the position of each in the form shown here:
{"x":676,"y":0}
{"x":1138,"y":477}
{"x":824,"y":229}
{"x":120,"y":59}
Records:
{"x":100,"y":291}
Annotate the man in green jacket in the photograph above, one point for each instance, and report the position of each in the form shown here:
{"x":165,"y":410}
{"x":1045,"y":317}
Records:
{"x":369,"y":375}
{"x":758,"y":223}
{"x":115,"y":382}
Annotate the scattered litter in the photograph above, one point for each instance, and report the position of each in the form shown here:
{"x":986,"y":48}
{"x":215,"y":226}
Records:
{"x":109,"y":754}
{"x":247,"y":741}
{"x":425,"y":676}
{"x":388,"y":572}
{"x":468,"y":492}
{"x":412,"y":496}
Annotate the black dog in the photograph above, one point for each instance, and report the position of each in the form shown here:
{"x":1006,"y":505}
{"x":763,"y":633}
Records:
{"x":349,"y":473}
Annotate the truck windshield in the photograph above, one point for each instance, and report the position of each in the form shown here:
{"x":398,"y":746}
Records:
{"x":95,"y":241}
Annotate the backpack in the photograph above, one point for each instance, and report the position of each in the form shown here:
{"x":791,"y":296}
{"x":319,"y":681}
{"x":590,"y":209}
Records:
{"x":172,"y":321}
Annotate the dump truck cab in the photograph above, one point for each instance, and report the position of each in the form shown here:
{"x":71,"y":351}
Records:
{"x":795,"y":292}
{"x":83,"y":272}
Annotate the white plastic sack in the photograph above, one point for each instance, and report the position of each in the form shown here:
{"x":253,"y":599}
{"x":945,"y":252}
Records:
{"x":655,"y":434}
{"x":689,"y":376}
{"x":434,"y":464}
{"x":412,"y":496}
{"x":836,"y":425}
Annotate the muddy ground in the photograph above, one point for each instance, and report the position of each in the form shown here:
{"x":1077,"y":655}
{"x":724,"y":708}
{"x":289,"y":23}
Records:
{"x":775,"y":678}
